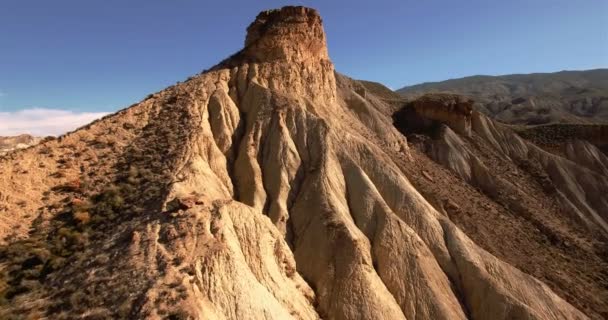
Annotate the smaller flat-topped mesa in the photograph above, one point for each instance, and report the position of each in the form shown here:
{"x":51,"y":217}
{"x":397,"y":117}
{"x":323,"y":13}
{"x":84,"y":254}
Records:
{"x":292,"y":34}
{"x":451,"y":109}
{"x":424,"y":112}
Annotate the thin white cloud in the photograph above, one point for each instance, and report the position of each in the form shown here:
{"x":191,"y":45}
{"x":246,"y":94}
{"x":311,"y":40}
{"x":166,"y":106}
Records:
{"x":2,"y":94}
{"x":44,"y":122}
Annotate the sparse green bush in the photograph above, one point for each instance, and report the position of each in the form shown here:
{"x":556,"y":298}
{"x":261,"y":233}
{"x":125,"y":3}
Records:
{"x":77,"y":299}
{"x":107,"y":204}
{"x":30,"y":262}
{"x":25,"y":267}
{"x":125,"y":309}
{"x":70,"y":186}
{"x":45,"y":150}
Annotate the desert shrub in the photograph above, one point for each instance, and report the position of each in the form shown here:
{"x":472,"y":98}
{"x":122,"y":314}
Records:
{"x":178,"y":315}
{"x":28,"y":262}
{"x":83,"y":217}
{"x":77,"y":299}
{"x":102,"y":258}
{"x":97,"y":143}
{"x":125,"y":309}
{"x":58,"y":174}
{"x":171,"y":100}
{"x":79,"y":205}
{"x":69,"y":240}
{"x":107,"y":204}
{"x":70,"y":186}
{"x":133,"y":175}
{"x":45,"y":150}
{"x":25,"y":262}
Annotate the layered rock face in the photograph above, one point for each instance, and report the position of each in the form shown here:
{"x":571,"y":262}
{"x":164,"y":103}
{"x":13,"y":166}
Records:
{"x":431,"y":110}
{"x":290,"y":34}
{"x":268,"y":187}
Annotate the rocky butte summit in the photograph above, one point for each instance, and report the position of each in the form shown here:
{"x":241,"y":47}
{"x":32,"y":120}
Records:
{"x":272,"y":187}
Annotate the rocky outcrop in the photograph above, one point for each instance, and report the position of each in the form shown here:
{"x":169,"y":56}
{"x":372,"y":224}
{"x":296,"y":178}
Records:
{"x":290,"y":34}
{"x":432,"y":109}
{"x":285,"y":198}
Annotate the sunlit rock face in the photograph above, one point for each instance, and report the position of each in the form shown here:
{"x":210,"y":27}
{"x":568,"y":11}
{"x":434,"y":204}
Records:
{"x":292,"y":34}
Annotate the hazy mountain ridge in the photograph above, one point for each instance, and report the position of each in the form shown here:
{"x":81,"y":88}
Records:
{"x":17,"y":142}
{"x":537,"y":98}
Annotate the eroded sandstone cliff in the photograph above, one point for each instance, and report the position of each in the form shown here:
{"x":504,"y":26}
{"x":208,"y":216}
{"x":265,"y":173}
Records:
{"x":269,"y":187}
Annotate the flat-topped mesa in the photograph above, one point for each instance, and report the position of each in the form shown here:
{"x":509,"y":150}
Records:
{"x":451,"y":109}
{"x":286,"y":52}
{"x":291,"y":34}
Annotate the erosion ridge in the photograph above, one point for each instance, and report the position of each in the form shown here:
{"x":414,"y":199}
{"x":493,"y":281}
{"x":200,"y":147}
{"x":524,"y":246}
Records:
{"x":269,"y":187}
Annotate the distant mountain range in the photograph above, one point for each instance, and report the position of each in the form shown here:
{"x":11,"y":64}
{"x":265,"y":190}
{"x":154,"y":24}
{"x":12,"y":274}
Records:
{"x":539,"y":98}
{"x":17,"y":142}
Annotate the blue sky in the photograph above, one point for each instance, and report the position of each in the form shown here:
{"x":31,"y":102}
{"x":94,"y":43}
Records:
{"x":99,"y":56}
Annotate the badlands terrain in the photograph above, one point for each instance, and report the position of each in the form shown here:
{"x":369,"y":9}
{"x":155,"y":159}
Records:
{"x":273,"y":187}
